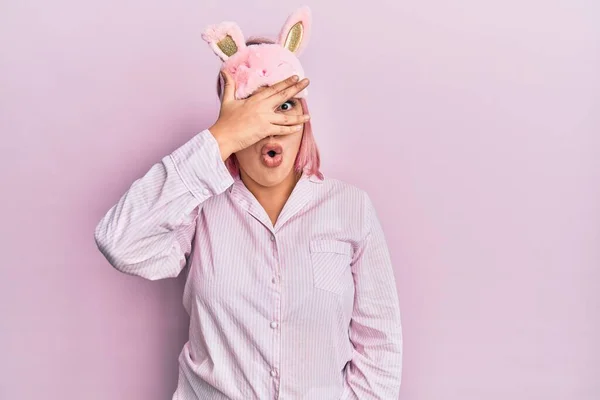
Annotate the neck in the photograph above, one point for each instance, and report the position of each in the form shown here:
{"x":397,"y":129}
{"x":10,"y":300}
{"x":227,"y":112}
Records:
{"x":272,"y":198}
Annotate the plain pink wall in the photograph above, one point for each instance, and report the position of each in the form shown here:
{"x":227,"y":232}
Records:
{"x":475,"y":127}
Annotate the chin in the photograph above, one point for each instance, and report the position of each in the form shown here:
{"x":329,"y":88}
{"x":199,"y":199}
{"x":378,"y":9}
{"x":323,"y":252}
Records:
{"x":269,"y":177}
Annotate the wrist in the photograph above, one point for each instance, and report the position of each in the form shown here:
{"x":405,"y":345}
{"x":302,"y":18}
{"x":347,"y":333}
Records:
{"x":221,"y":139}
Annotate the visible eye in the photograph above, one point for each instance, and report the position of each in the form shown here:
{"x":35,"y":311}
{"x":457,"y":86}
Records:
{"x":288,"y":105}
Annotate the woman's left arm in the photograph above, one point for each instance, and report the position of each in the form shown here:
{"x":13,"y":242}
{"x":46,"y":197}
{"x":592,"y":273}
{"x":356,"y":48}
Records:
{"x":375,"y":329}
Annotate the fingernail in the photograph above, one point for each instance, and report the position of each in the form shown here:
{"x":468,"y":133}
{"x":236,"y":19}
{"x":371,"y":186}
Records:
{"x":295,"y":78}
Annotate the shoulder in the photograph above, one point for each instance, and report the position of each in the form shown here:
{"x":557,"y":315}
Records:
{"x":346,"y":196}
{"x":338,"y":187}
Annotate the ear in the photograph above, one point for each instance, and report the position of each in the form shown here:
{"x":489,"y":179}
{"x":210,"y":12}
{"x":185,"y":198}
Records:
{"x":296,"y":31}
{"x":225,"y":39}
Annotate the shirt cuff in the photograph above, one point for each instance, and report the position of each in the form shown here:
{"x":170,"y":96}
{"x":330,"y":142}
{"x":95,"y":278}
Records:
{"x":200,"y":166}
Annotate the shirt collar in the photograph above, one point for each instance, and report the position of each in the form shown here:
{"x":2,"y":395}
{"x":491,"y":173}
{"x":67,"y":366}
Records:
{"x":301,"y":194}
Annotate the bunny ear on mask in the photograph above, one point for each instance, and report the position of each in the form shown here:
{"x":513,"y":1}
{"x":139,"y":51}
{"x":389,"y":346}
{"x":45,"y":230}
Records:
{"x":225,"y":39}
{"x":295,"y":32}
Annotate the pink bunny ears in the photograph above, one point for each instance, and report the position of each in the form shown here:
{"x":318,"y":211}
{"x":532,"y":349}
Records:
{"x":263,"y":64}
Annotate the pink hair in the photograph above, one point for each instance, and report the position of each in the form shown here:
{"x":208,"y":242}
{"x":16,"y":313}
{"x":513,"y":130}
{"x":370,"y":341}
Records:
{"x":308,"y":159}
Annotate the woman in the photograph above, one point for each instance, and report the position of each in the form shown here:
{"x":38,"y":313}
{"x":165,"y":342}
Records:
{"x":290,"y":288}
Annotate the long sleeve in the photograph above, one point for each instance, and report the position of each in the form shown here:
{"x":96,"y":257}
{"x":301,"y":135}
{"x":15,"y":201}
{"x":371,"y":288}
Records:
{"x":149,"y":231}
{"x":375,"y":328}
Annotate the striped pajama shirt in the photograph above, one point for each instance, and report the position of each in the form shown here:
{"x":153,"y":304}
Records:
{"x":303,"y":309}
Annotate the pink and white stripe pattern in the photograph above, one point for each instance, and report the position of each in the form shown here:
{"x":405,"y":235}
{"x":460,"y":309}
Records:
{"x":304,"y":309}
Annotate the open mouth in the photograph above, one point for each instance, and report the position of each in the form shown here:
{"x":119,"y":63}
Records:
{"x":271,"y":155}
{"x":271,"y":150}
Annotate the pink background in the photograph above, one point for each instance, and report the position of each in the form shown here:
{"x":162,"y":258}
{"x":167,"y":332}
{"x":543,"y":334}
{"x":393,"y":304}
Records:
{"x":475,"y":127}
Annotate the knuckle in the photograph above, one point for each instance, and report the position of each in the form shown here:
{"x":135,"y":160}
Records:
{"x":284,"y":93}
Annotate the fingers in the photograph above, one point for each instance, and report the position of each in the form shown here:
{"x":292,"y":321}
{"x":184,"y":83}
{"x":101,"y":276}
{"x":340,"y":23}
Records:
{"x":287,"y":120}
{"x":271,"y":90}
{"x":284,"y":130}
{"x":285,"y":94}
{"x":229,"y":86}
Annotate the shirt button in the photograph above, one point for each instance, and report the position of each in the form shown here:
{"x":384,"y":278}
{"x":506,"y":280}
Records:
{"x":274,"y":324}
{"x":274,"y":280}
{"x":272,"y":238}
{"x":273,"y":372}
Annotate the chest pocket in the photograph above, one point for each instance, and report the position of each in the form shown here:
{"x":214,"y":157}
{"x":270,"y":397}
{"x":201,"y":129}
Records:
{"x":330,"y":261}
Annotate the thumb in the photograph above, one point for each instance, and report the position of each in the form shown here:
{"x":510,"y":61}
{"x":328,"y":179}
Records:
{"x":228,"y":86}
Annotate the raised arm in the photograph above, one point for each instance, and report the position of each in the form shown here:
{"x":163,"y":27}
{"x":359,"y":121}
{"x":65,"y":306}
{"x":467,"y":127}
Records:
{"x":148,"y":232}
